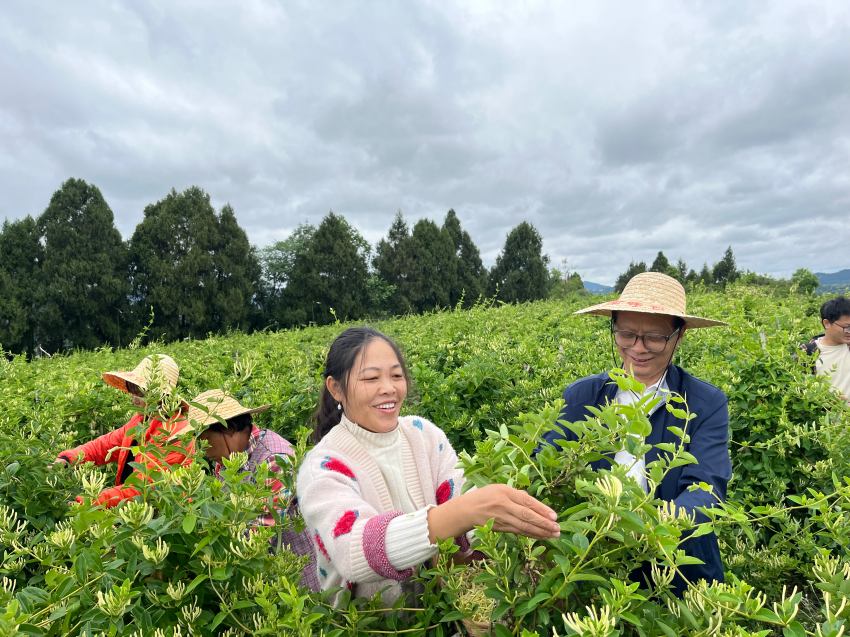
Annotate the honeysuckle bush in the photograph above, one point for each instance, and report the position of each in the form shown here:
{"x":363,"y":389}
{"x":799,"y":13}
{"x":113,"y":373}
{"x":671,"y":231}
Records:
{"x":185,"y":557}
{"x":491,"y":377}
{"x":584,"y":582}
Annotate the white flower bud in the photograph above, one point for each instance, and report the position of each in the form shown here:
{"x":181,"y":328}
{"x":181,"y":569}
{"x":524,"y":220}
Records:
{"x":156,"y":554}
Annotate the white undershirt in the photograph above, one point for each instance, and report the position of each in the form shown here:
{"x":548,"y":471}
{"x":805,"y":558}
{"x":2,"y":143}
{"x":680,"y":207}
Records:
{"x":834,"y":362}
{"x":637,"y":466}
{"x":406,"y":541}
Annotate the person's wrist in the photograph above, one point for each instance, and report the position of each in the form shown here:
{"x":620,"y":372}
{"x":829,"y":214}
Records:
{"x":449,"y":519}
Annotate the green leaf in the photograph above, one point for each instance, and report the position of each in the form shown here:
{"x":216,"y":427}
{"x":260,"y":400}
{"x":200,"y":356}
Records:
{"x":581,"y":542}
{"x":530,"y":604}
{"x":189,"y":523}
{"x":667,"y":630}
{"x":794,"y":629}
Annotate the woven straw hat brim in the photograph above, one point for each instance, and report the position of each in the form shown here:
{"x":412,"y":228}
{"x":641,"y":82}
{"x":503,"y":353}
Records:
{"x":652,"y":293}
{"x":218,"y":408}
{"x":119,"y":380}
{"x":605,"y":309}
{"x":140,"y":376}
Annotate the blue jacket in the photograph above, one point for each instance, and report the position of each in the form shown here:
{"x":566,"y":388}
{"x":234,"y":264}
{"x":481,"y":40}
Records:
{"x":709,"y":434}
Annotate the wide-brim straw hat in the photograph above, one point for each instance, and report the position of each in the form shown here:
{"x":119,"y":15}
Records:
{"x":215,"y":406}
{"x":652,"y":293}
{"x":142,"y":375}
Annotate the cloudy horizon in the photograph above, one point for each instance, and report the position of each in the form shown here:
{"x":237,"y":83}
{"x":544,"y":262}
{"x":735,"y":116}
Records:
{"x":617,"y":129}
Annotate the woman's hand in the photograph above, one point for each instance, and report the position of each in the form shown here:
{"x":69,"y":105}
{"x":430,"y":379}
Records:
{"x":512,"y":511}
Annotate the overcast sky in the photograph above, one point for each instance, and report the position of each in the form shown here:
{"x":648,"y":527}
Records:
{"x":617,"y":129}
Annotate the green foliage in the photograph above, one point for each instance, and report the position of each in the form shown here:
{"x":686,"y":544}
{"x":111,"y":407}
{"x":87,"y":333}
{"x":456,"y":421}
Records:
{"x":329,"y":275}
{"x":433,"y":269}
{"x":633,"y":269}
{"x":237,"y":272}
{"x":562,"y":285}
{"x":491,"y":377}
{"x":662,"y":264}
{"x":521,"y":272}
{"x":804,"y":281}
{"x":471,"y":281}
{"x":277,"y":262}
{"x":725,"y":271}
{"x":393,"y":262}
{"x":20,"y":256}
{"x":81,"y":285}
{"x":193,"y":267}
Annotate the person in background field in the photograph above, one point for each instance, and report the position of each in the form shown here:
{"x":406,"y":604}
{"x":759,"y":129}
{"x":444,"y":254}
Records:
{"x":648,"y":322}
{"x":833,"y":345}
{"x":379,"y":490}
{"x":263,"y":446}
{"x":115,"y":446}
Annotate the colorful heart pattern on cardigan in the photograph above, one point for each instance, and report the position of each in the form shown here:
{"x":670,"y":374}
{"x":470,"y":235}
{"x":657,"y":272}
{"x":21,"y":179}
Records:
{"x":345,"y":523}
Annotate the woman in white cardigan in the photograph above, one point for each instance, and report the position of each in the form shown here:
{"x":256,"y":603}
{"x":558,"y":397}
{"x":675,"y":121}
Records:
{"x":378,"y":491}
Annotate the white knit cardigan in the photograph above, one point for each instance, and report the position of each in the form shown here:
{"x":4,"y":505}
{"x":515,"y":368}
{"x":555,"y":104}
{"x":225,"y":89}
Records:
{"x":346,"y":504}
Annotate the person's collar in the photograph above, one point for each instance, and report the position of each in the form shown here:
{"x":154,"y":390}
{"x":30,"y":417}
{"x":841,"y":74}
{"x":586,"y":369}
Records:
{"x":370,"y":438}
{"x":253,"y":439}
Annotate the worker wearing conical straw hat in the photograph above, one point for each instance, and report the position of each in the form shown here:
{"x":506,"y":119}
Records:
{"x":227,"y":427}
{"x":648,"y":322}
{"x":154,"y":377}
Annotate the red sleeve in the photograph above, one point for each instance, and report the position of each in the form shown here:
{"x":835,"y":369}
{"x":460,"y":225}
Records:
{"x":164,"y":435}
{"x":97,"y":450}
{"x":113,"y":496}
{"x":161,"y":435}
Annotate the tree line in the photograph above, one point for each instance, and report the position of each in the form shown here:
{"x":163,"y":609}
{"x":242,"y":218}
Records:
{"x":719,"y":275}
{"x":68,"y":280}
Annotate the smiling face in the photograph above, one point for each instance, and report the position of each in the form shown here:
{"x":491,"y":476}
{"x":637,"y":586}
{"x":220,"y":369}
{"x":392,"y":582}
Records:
{"x":375,"y":388}
{"x":646,"y":366}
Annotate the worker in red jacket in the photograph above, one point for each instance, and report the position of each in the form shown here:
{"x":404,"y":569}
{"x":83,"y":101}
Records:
{"x":115,"y":446}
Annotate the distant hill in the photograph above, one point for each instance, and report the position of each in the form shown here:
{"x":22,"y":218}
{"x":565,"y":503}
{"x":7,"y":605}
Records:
{"x":597,"y":288}
{"x":833,"y":281}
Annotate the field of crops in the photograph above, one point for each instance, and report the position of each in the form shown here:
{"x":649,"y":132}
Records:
{"x":178,"y":560}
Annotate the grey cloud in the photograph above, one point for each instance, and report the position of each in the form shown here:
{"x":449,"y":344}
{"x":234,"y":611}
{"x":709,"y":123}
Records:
{"x":617,"y":130}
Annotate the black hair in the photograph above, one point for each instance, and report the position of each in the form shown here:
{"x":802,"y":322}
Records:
{"x":237,"y":423}
{"x":134,"y":389}
{"x":678,"y":321}
{"x":835,"y":308}
{"x":341,"y":358}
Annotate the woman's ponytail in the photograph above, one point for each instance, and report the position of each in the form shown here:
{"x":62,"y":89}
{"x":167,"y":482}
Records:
{"x":327,"y":415}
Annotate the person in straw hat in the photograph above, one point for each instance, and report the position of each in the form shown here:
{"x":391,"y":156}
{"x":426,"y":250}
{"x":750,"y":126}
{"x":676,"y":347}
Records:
{"x":648,"y":322}
{"x":228,"y":427}
{"x":154,"y":377}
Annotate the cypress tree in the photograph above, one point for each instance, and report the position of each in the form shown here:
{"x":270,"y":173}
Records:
{"x":20,"y":257}
{"x":82,"y":293}
{"x":521,"y":272}
{"x":471,"y":280}
{"x":173,"y":264}
{"x":393,"y":263}
{"x":237,"y":275}
{"x":433,"y":268}
{"x":725,"y":271}
{"x":329,"y":278}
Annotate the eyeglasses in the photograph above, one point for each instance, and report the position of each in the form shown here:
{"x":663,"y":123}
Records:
{"x":652,"y":342}
{"x":845,"y":328}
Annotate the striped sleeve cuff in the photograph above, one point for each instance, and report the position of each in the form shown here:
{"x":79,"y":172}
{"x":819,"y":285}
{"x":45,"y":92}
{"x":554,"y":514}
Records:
{"x":407,"y":541}
{"x":372,"y":559}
